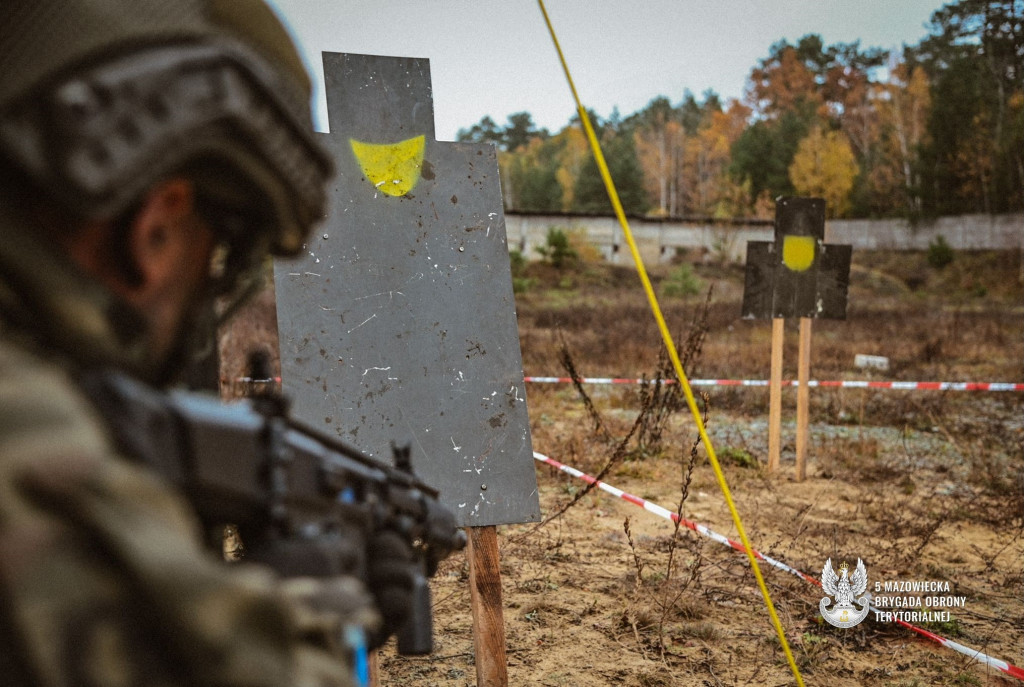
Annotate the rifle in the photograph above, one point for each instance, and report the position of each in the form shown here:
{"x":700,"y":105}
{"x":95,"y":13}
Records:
{"x":304,"y":503}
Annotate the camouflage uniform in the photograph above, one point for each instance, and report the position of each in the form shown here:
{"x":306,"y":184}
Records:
{"x":103,"y":578}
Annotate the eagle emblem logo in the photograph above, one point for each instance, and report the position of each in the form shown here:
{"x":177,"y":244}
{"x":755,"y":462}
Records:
{"x":847,"y":591}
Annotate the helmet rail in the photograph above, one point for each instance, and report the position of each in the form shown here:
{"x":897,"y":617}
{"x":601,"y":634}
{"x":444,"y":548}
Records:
{"x":97,"y":139}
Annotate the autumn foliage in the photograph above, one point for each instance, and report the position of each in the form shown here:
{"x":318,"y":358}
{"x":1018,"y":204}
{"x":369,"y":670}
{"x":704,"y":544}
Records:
{"x":824,"y":167}
{"x":937,"y":128}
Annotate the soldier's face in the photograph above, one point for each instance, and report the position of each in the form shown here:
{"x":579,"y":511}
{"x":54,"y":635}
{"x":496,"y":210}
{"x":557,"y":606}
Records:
{"x":173,"y":301}
{"x":171,"y":247}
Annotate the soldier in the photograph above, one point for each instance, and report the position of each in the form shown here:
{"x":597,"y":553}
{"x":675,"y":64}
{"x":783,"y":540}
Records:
{"x":152,"y":154}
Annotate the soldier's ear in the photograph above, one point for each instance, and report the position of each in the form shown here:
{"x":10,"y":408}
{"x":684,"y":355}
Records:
{"x":156,"y":235}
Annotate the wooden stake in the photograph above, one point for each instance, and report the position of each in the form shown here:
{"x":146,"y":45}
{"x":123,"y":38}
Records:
{"x":775,"y":396}
{"x":485,"y":596}
{"x":374,"y":661}
{"x":803,"y":398}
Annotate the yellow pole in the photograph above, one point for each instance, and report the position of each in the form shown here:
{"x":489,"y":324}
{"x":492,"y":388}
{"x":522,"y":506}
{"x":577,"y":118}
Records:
{"x":666,"y":337}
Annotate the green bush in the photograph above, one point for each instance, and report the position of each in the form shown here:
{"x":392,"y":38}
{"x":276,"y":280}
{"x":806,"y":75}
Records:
{"x":523,"y":284}
{"x":737,"y":456}
{"x":682,"y":282}
{"x":517,"y":262}
{"x":556,"y":248}
{"x":940,"y":253}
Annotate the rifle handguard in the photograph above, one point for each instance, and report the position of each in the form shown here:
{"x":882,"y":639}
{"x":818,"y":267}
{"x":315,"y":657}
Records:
{"x":305,"y":504}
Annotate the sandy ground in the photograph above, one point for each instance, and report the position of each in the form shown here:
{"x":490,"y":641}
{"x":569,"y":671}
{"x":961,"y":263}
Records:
{"x":586,"y":603}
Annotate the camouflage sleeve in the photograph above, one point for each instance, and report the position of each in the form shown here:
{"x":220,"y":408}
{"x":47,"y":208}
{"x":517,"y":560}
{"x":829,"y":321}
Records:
{"x":103,"y":580}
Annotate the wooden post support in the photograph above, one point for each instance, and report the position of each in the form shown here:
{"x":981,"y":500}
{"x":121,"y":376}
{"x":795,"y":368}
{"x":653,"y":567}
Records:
{"x":374,"y":664}
{"x":775,"y":395}
{"x":485,"y":596}
{"x":803,"y":398}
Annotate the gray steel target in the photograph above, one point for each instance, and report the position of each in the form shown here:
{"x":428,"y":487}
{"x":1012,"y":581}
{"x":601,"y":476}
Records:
{"x":398,"y":322}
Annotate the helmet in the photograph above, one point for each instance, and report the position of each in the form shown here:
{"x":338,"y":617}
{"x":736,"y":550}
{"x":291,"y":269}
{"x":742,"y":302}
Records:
{"x":101,"y":99}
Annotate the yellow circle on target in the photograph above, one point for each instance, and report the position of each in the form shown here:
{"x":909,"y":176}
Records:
{"x":798,"y":252}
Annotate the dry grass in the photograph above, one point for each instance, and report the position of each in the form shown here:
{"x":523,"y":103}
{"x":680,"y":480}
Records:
{"x":921,"y":484}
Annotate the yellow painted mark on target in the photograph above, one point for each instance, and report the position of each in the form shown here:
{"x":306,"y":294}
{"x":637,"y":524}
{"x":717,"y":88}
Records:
{"x":798,"y":252}
{"x":393,"y":168}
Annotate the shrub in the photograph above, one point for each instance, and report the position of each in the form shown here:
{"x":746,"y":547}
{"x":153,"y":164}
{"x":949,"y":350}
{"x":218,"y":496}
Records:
{"x":580,"y":244}
{"x":940,"y":253}
{"x":523,"y":284}
{"x":737,"y":456}
{"x":517,"y":262}
{"x":682,"y":282}
{"x":556,"y":248}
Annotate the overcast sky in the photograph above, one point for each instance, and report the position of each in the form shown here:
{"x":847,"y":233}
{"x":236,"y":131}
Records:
{"x":495,"y":57}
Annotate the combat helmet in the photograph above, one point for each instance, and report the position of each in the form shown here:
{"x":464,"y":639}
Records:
{"x":99,"y":99}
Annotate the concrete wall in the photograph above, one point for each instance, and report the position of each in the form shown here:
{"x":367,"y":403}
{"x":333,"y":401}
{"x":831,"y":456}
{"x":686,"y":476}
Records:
{"x":658,"y":240}
{"x":964,"y":232}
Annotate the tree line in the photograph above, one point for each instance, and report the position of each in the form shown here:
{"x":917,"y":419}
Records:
{"x":934,"y":129}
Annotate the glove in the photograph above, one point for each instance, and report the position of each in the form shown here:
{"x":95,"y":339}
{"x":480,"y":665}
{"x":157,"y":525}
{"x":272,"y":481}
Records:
{"x":330,"y":613}
{"x":392,"y":573}
{"x":325,"y":607}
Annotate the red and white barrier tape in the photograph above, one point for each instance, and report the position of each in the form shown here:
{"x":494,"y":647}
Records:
{"x":998,"y":664}
{"x":934,"y":386}
{"x":931,"y":386}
